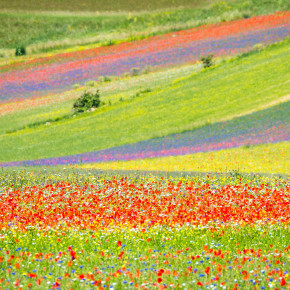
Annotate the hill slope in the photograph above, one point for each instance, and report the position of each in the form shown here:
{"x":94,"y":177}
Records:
{"x":58,"y":73}
{"x":51,"y":26}
{"x":212,"y":95}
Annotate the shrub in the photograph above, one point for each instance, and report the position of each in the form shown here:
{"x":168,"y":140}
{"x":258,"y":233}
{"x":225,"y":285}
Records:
{"x":109,"y":42}
{"x":207,"y":61}
{"x":91,"y":84}
{"x":87,"y":101}
{"x":104,"y":79}
{"x":20,"y":50}
{"x":107,"y":79}
{"x":246,"y":15}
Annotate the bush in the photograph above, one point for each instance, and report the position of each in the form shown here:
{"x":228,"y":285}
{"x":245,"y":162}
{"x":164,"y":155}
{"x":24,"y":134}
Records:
{"x":207,"y":61}
{"x":107,"y":79}
{"x":20,"y":51}
{"x":91,"y":84}
{"x":87,"y":101}
{"x":103,"y":79}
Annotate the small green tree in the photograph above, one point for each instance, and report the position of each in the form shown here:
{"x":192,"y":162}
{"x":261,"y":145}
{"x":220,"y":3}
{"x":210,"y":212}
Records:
{"x":207,"y":61}
{"x":87,"y":101}
{"x":20,"y":50}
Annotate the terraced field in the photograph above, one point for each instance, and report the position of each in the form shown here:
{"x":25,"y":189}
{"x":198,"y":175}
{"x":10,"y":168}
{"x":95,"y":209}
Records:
{"x":62,"y":71}
{"x":266,"y":126}
{"x":46,"y":26}
{"x":131,"y":121}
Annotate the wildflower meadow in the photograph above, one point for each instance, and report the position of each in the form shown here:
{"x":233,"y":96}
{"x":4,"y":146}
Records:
{"x":223,"y":232}
{"x":144,"y":144}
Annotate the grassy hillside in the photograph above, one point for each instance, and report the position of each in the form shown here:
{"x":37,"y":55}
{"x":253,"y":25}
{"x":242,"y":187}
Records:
{"x":266,"y":158}
{"x":100,"y":5}
{"x":42,"y":31}
{"x":16,"y":116}
{"x":233,"y":88}
{"x":130,"y":5}
{"x":261,"y":127}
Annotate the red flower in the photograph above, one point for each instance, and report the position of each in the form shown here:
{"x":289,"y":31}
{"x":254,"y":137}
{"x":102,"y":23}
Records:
{"x":283,"y":282}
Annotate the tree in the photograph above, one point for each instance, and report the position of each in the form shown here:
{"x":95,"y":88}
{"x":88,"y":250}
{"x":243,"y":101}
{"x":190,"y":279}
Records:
{"x":207,"y":60}
{"x":87,"y":101}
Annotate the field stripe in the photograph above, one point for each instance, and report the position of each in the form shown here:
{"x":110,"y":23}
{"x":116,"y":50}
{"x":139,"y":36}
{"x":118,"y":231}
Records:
{"x":265,"y":158}
{"x":160,"y":51}
{"x":267,"y":126}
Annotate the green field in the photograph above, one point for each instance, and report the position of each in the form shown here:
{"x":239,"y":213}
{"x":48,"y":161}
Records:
{"x":43,"y":30}
{"x":230,"y":89}
{"x":60,"y":106}
{"x":100,"y":5}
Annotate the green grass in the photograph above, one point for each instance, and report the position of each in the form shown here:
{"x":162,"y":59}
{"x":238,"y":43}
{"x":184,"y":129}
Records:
{"x":61,"y":105}
{"x":100,"y":5}
{"x":44,"y":31}
{"x":208,"y":96}
{"x":165,"y":241}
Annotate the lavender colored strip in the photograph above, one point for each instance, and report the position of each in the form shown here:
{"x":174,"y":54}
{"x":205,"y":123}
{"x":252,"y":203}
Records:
{"x":56,"y":78}
{"x":267,"y":126}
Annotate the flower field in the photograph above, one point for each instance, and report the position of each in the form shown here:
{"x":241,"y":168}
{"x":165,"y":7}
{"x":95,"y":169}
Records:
{"x":46,"y":76}
{"x":179,"y":179}
{"x":201,"y":103}
{"x":265,"y":158}
{"x":92,"y":232}
{"x":266,"y":126}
